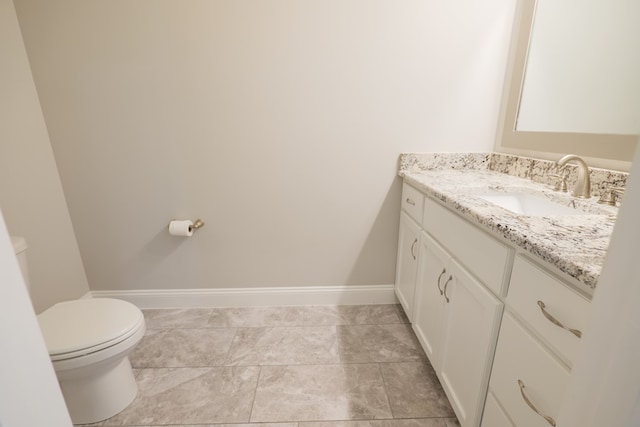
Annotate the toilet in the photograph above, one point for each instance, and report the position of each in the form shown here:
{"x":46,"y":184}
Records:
{"x":89,"y":342}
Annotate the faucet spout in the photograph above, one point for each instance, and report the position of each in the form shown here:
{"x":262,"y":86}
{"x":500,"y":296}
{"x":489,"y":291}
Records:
{"x":582,"y":188}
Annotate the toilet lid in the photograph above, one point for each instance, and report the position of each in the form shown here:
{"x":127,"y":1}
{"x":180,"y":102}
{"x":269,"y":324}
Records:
{"x":74,"y":328}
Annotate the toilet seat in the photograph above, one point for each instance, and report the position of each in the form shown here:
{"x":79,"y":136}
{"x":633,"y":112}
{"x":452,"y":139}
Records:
{"x":80,"y":327}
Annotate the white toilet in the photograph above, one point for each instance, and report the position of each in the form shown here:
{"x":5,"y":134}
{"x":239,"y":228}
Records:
{"x":89,"y":342}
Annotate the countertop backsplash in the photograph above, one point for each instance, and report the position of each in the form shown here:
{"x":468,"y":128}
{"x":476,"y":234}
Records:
{"x":537,"y":170}
{"x":419,"y":162}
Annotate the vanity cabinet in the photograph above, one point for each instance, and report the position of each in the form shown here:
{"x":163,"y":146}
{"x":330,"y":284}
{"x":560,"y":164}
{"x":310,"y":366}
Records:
{"x":454,"y":281}
{"x":456,"y":319}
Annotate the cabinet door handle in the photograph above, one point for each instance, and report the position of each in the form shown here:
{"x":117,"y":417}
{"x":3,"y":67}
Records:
{"x":556,"y":322}
{"x":413,"y":246}
{"x":532,"y":406}
{"x":445,"y":288}
{"x":411,"y":202}
{"x":444,"y":270}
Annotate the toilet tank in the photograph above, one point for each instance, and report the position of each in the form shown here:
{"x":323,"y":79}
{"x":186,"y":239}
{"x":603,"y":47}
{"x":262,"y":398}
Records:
{"x":20,"y":249}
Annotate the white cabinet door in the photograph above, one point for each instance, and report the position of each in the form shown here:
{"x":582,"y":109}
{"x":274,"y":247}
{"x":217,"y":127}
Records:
{"x":456,"y":320}
{"x":472,"y":316}
{"x":433,"y":273}
{"x":407,"y":263}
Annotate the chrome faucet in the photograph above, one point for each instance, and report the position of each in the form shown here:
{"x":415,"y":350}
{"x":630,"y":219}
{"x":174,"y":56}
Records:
{"x":582,"y":188}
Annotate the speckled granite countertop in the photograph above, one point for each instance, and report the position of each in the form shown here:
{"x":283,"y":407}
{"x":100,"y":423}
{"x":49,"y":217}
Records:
{"x":575,"y":244}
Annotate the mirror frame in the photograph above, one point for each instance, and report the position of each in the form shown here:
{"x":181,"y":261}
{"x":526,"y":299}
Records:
{"x":599,"y":150}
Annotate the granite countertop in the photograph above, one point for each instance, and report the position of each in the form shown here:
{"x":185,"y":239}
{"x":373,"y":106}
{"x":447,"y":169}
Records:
{"x":574,"y":244}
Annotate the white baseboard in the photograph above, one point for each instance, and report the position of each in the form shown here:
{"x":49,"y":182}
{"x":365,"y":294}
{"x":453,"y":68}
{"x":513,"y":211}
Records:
{"x":255,"y":297}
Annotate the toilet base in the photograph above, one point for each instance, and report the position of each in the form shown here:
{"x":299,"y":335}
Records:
{"x":100,"y":395}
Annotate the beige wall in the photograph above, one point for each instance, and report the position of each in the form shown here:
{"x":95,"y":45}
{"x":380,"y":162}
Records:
{"x":31,"y":196}
{"x":277,"y":122}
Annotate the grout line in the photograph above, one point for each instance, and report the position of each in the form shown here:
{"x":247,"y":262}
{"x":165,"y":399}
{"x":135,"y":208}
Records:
{"x":322,"y":325}
{"x":260,"y":423}
{"x":386,"y":393}
{"x":338,"y":346}
{"x":275,"y":365}
{"x":228,"y":353}
{"x":255,"y":392}
{"x":211,"y":313}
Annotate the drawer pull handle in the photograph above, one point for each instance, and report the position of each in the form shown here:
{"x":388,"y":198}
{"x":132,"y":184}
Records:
{"x":556,"y":322}
{"x":413,"y":246}
{"x":532,"y":406}
{"x":445,"y":288}
{"x":444,"y":270}
{"x":411,"y":202}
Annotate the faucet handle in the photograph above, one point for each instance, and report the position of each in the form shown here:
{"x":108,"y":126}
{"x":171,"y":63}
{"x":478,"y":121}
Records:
{"x":611,"y":195}
{"x":561,"y":185}
{"x":619,"y":190}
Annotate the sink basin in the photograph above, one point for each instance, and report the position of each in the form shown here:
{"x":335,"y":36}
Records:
{"x":529,"y":204}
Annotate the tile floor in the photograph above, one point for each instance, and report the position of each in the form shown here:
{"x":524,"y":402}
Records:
{"x":320,"y":366}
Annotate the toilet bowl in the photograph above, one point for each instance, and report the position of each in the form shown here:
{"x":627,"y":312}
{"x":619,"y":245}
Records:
{"x":89,"y":341}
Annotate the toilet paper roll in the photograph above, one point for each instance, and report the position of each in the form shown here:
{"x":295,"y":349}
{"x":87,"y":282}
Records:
{"x":181,"y":228}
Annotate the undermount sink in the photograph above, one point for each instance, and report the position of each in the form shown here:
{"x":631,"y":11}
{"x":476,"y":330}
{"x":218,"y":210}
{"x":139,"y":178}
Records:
{"x":529,"y":204}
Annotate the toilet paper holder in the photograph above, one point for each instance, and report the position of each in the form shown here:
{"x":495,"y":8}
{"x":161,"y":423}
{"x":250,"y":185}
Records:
{"x":198,"y":223}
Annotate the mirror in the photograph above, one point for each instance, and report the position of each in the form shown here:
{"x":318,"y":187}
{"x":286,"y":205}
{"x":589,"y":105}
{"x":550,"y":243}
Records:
{"x":583,"y":68}
{"x":606,"y":149}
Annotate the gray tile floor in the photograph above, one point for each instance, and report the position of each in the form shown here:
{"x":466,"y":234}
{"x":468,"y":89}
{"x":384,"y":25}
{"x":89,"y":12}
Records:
{"x":320,"y":366}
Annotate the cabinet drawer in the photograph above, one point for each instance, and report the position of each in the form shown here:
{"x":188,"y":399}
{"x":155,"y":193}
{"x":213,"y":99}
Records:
{"x":481,"y":254}
{"x":531,"y":289}
{"x":519,"y":357}
{"x":412,"y":201}
{"x":493,"y":415}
